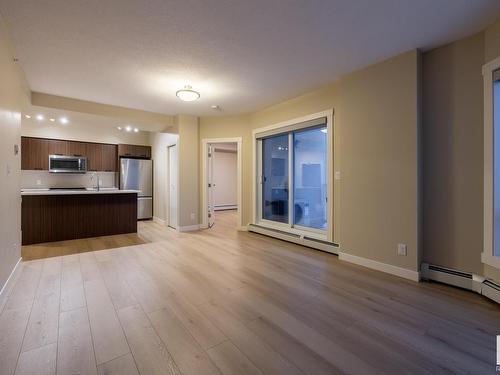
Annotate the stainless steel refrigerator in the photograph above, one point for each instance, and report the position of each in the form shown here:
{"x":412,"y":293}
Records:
{"x":137,"y":174}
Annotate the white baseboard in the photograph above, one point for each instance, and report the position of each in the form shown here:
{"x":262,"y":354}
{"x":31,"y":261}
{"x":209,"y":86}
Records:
{"x":159,"y":221}
{"x":379,"y":266}
{"x":189,"y":228}
{"x":10,"y":276}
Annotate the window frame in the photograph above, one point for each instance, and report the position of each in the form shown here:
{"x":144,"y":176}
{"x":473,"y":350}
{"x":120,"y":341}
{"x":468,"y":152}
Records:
{"x":487,"y":256}
{"x":288,"y":127}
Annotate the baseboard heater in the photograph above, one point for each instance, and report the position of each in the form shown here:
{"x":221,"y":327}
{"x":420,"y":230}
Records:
{"x":224,"y":207}
{"x":464,"y":280}
{"x":295,"y":238}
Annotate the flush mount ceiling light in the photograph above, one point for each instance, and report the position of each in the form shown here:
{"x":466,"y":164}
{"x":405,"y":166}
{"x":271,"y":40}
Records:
{"x":63,"y":120}
{"x":40,"y":117}
{"x":187,"y":94}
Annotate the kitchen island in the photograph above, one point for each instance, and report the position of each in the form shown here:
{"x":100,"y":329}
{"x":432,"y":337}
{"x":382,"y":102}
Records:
{"x":58,"y":215}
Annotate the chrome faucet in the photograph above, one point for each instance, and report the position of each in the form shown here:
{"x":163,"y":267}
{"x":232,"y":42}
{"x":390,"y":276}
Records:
{"x":94,"y":175}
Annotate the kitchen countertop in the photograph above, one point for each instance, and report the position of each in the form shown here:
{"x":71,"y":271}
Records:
{"x":76,"y":192}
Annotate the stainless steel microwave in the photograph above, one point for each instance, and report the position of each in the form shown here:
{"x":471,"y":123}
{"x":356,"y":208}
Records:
{"x":67,"y":164}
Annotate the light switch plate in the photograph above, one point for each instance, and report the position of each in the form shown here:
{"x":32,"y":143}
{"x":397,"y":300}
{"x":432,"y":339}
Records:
{"x":402,"y":249}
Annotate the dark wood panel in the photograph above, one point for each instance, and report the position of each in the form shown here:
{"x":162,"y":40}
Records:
{"x":34,"y":153}
{"x":109,"y":159}
{"x":94,"y":157}
{"x":57,"y":147}
{"x":100,"y":156}
{"x":47,"y":218}
{"x":134,"y":151}
{"x":77,"y":148}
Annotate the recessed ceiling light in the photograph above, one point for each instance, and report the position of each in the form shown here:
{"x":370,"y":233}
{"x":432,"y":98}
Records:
{"x":136,"y":130}
{"x":215,"y":107}
{"x":27,"y":116}
{"x":52,"y":119}
{"x":119,"y":127}
{"x":128,"y":128}
{"x":64,"y":120}
{"x":40,"y":117}
{"x":187,"y":94}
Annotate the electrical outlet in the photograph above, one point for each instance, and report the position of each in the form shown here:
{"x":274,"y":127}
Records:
{"x":192,"y":216}
{"x":402,"y":249}
{"x":38,"y":182}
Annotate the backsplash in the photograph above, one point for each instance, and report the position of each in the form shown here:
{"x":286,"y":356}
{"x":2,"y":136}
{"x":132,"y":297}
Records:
{"x":44,"y":180}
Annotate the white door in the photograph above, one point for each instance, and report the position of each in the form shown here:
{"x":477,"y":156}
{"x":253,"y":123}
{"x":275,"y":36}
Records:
{"x":172,"y":191}
{"x":211,"y":187}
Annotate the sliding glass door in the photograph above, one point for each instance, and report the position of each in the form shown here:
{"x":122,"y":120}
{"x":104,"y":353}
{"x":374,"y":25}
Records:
{"x":293,"y":177}
{"x":275,"y":192}
{"x":309,"y":178}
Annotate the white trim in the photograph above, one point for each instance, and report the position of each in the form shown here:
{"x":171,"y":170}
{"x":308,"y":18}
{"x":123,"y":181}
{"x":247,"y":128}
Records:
{"x":332,"y":163}
{"x":167,"y":190}
{"x":204,"y":178}
{"x":490,"y":260}
{"x":159,"y":221}
{"x":189,"y":228}
{"x":10,"y":276}
{"x":487,"y":256}
{"x":379,"y":266}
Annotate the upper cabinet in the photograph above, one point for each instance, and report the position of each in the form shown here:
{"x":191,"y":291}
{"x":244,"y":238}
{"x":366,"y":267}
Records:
{"x":134,"y":151}
{"x":77,"y":148}
{"x":109,"y":158}
{"x":35,"y":153}
{"x":57,"y":147}
{"x":94,"y":157}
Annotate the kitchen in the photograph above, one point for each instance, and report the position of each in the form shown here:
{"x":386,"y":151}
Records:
{"x":73,"y":188}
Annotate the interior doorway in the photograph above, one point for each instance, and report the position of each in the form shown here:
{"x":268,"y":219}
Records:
{"x":221,"y":179}
{"x":172,"y":187}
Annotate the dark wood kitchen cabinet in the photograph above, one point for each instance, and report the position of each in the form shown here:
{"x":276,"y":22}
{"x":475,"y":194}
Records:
{"x":77,"y":148}
{"x":57,"y":147}
{"x":109,"y":158}
{"x":101,"y":157}
{"x":134,"y":151}
{"x":34,"y":153}
{"x":94,"y":157}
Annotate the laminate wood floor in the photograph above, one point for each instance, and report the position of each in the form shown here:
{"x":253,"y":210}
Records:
{"x":225,"y":302}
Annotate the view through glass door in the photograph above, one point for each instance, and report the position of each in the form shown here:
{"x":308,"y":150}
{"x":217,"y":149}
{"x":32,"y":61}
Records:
{"x":293,"y":169}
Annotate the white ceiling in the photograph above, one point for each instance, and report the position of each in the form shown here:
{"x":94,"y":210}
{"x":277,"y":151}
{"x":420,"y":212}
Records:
{"x":242,"y":55}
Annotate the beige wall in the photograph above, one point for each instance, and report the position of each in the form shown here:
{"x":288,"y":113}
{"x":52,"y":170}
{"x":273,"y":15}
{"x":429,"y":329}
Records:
{"x":376,"y":117}
{"x":14,"y":94}
{"x":453,"y":151}
{"x":189,"y":185}
{"x":453,"y":154}
{"x":159,"y":143}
